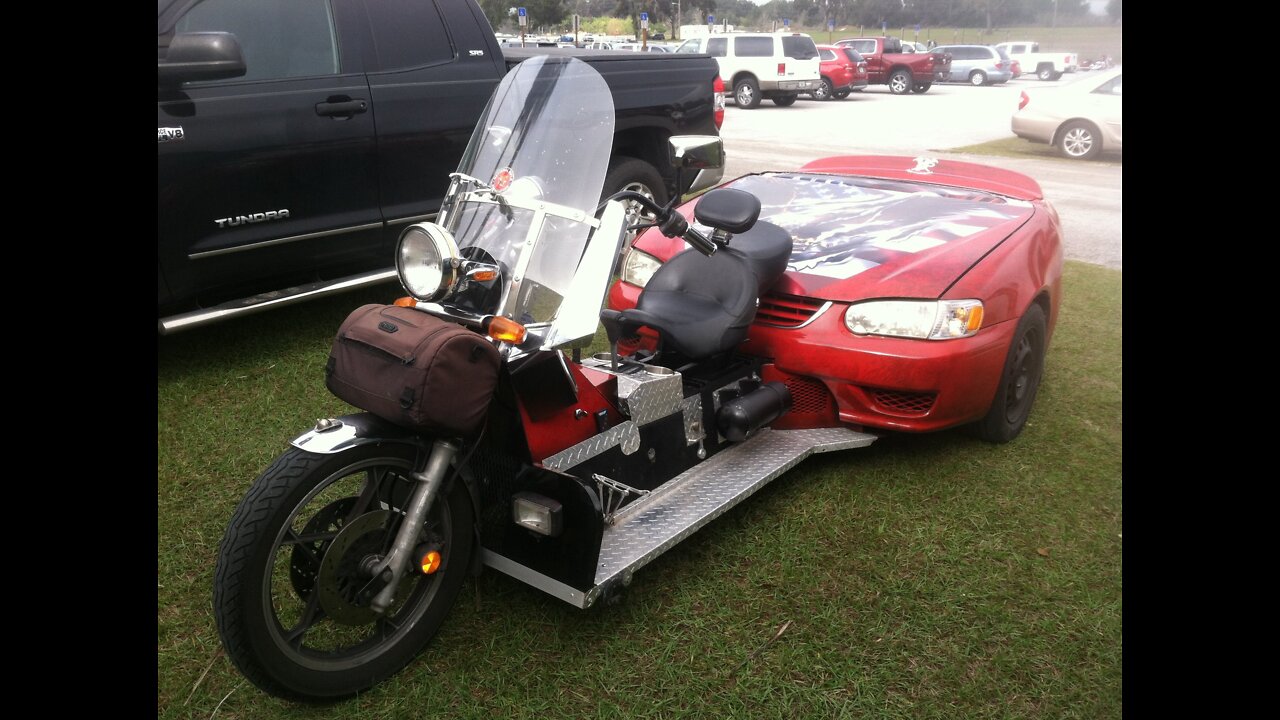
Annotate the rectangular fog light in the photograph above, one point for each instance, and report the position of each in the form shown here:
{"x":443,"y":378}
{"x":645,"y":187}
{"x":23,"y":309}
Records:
{"x":537,"y":512}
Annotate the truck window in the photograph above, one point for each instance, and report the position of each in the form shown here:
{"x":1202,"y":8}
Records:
{"x":753,"y":46}
{"x":279,"y":38}
{"x":865,"y":47}
{"x":409,"y":33}
{"x":718,"y":47}
{"x":690,"y":46}
{"x":798,"y":47}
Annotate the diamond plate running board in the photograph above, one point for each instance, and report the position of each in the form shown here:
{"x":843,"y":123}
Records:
{"x":649,"y":527}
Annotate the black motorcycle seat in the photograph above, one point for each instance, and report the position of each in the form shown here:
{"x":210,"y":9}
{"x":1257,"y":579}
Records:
{"x":767,"y":248}
{"x":700,"y":305}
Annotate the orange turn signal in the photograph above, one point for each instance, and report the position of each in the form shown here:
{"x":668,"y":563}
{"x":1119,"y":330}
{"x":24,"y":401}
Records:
{"x":506,"y":330}
{"x":405,"y":302}
{"x":975,"y":319}
{"x":483,"y":275}
{"x":430,"y":562}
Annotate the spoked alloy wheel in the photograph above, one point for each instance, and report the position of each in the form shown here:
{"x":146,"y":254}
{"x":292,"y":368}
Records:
{"x":293,"y":585}
{"x":823,"y":91}
{"x":900,"y":82}
{"x":1079,"y":140}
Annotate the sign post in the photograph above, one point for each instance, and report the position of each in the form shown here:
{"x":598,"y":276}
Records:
{"x":711,"y":23}
{"x":576,"y":22}
{"x":644,"y":31}
{"x":524,"y":20}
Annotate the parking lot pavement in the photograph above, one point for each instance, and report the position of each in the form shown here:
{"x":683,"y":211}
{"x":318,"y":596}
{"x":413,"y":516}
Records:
{"x":1086,"y":194}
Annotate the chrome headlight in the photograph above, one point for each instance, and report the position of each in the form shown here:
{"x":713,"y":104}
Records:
{"x":924,"y":319}
{"x":638,"y":267}
{"x":427,"y":261}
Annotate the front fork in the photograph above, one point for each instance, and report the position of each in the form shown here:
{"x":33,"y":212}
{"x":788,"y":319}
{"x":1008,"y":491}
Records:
{"x":424,"y":493}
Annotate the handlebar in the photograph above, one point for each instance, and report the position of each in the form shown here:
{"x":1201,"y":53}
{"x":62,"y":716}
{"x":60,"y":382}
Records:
{"x":670,"y":223}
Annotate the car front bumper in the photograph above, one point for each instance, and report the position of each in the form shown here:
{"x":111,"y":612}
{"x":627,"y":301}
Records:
{"x":880,"y":382}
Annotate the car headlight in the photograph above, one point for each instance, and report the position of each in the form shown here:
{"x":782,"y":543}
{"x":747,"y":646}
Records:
{"x":924,"y":319}
{"x":427,"y":260}
{"x":638,"y":267}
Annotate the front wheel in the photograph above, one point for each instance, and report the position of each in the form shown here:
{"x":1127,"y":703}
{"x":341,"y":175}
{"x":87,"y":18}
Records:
{"x":1079,"y":140}
{"x":900,"y":82}
{"x":1019,"y":380}
{"x":292,"y":587}
{"x":977,"y":77}
{"x":747,"y":93}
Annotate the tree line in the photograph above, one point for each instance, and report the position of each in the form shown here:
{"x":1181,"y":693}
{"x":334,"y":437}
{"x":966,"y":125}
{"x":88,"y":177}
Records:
{"x":803,"y":13}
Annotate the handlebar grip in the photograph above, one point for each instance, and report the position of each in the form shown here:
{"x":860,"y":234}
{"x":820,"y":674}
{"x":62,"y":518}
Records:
{"x":699,"y":242}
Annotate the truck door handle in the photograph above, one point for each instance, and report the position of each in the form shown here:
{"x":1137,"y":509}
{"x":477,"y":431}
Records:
{"x":341,"y":107}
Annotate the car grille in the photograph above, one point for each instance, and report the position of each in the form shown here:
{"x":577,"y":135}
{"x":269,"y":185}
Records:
{"x":903,"y":403}
{"x":787,"y":311}
{"x":808,"y":396}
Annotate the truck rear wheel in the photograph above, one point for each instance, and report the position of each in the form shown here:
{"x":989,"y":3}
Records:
{"x":1045,"y":72}
{"x":784,"y":100}
{"x":628,"y":173}
{"x":900,"y":82}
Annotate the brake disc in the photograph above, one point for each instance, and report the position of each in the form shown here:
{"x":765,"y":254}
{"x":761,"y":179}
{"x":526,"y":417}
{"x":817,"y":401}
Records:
{"x":341,"y":576}
{"x":304,"y":564}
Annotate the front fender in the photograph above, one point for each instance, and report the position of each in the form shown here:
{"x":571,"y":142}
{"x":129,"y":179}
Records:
{"x":347,"y":431}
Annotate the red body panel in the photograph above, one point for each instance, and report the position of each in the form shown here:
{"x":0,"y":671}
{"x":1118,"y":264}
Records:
{"x":953,"y":173}
{"x":898,"y":383}
{"x":551,"y":426}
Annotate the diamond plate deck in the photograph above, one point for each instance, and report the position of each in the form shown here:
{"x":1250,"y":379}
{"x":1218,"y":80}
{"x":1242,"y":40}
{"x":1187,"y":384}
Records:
{"x":650,"y":526}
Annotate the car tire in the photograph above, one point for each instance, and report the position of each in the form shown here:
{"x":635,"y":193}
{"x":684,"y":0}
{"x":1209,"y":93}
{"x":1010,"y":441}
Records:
{"x":746,"y":93}
{"x":977,"y":77}
{"x":785,"y":100}
{"x":840,"y":94}
{"x":919,"y":88}
{"x":628,"y":173}
{"x":900,"y":82}
{"x":1045,"y":72}
{"x":824,"y":91}
{"x":1019,"y":380}
{"x":1079,"y":140}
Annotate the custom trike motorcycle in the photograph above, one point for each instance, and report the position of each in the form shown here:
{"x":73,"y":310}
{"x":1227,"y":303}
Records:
{"x":487,"y":438}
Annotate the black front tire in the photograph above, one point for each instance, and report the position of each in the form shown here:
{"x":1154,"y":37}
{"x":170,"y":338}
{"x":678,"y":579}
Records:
{"x":1019,"y":380}
{"x":922,"y":87}
{"x":900,"y":82}
{"x":746,"y":93}
{"x":1079,"y":140}
{"x":286,"y":585}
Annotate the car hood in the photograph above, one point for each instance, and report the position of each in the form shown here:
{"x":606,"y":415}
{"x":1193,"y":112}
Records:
{"x":856,"y":238}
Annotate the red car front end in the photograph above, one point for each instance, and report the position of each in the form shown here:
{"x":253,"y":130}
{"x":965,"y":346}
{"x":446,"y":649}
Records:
{"x":868,"y":234}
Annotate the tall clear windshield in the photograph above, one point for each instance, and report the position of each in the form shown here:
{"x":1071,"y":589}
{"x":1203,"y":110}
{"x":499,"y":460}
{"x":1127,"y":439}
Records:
{"x":538,"y":157}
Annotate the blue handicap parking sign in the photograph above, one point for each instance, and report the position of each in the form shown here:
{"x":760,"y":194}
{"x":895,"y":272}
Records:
{"x":644,"y":17}
{"x":522,"y":13}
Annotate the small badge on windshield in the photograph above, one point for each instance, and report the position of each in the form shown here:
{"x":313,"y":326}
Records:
{"x":502,"y":179}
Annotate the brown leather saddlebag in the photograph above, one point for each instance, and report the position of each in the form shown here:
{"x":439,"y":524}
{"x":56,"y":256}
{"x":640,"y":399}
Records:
{"x":413,"y":369}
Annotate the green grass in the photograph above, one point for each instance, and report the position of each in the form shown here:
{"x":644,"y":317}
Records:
{"x":1016,"y":147}
{"x":924,"y":577}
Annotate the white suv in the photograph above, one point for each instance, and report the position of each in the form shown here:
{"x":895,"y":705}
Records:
{"x":778,"y":66}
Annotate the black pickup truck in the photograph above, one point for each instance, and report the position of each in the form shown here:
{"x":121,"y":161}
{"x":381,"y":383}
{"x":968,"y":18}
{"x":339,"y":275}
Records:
{"x":297,"y":138}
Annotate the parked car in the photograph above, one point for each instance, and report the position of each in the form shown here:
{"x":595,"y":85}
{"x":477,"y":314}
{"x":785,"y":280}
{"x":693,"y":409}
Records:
{"x":843,"y":71}
{"x":777,"y":66}
{"x":919,"y":294}
{"x":903,"y":72}
{"x":1046,"y":65}
{"x":637,"y":47}
{"x":598,"y":46}
{"x":1080,"y":119}
{"x":977,"y":64}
